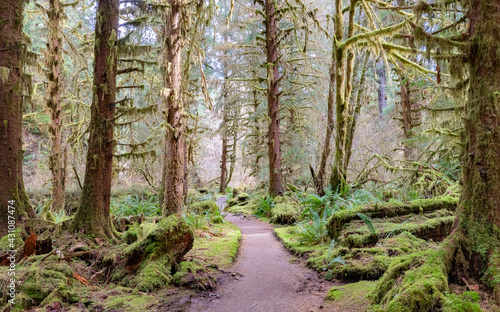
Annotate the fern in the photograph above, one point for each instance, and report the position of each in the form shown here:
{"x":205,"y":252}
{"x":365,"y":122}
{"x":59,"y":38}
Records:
{"x":368,"y":222}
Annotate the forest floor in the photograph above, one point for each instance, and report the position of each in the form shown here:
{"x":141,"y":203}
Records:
{"x":266,"y":277}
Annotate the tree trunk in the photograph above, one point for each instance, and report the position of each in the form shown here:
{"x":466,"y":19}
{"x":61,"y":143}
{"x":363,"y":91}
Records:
{"x":223,"y":165}
{"x":319,"y":179}
{"x":12,"y":50}
{"x":273,"y":107}
{"x":93,"y":217}
{"x":478,"y":214}
{"x":53,"y":63}
{"x":406,"y":109}
{"x":338,"y":176}
{"x":175,"y":136}
{"x":225,"y":125}
{"x":355,"y":113}
{"x":382,"y":101}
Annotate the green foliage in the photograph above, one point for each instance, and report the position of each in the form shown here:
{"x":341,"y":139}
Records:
{"x":196,"y":221}
{"x":133,"y":205}
{"x":313,"y":231}
{"x":368,"y":222}
{"x":60,"y":216}
{"x":264,"y":205}
{"x":466,"y":302}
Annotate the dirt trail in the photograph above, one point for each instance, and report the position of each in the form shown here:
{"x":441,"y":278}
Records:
{"x":264,"y":278}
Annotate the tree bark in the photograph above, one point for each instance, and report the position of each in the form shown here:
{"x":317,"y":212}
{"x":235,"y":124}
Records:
{"x":53,"y":63}
{"x":273,"y":107}
{"x":223,"y":163}
{"x":478,"y":214}
{"x":382,"y":101}
{"x":319,"y":179}
{"x":343,"y":68}
{"x":12,"y":51}
{"x":93,"y":216}
{"x":175,"y":136}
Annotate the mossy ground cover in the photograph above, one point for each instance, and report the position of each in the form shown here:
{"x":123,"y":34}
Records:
{"x":350,"y":297}
{"x":135,"y":273}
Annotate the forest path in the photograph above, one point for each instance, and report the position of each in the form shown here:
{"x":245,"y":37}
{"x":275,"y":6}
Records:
{"x":264,"y":279}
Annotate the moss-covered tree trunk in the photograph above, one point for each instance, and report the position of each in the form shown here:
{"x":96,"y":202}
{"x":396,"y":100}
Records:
{"x":93,"y":216}
{"x":343,"y":88}
{"x":12,"y":51}
{"x":175,"y":136}
{"x":382,"y":101}
{"x":225,"y":125}
{"x":478,"y":214}
{"x":273,"y":106}
{"x":354,"y":112}
{"x":319,"y":179}
{"x":53,"y":64}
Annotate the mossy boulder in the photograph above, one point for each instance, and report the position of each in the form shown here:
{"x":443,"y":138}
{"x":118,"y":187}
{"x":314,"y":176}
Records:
{"x":285,"y":213}
{"x":203,"y":206}
{"x":150,"y":260}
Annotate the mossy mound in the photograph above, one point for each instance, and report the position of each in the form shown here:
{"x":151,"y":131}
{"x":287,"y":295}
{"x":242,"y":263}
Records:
{"x":203,"y":206}
{"x":285,"y":213}
{"x":42,"y":283}
{"x":240,"y":200}
{"x":349,"y":297}
{"x":420,"y":206}
{"x":150,"y":260}
{"x":195,"y":276}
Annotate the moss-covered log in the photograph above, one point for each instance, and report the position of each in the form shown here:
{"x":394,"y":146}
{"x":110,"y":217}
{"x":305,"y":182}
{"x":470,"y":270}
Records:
{"x":434,"y":228}
{"x":419,"y":206}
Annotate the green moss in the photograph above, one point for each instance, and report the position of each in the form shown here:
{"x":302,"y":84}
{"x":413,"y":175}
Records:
{"x":124,"y":299}
{"x":339,"y":219}
{"x":6,"y":241}
{"x":149,"y":260}
{"x":422,"y":227}
{"x":334,"y":294}
{"x":217,"y":251}
{"x":192,"y":193}
{"x":243,"y":197}
{"x":466,"y":302}
{"x":193,"y":275}
{"x":203,"y":206}
{"x":131,"y":235}
{"x":152,"y":276}
{"x":285,"y":213}
{"x":422,"y":286}
{"x":350,"y":297}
